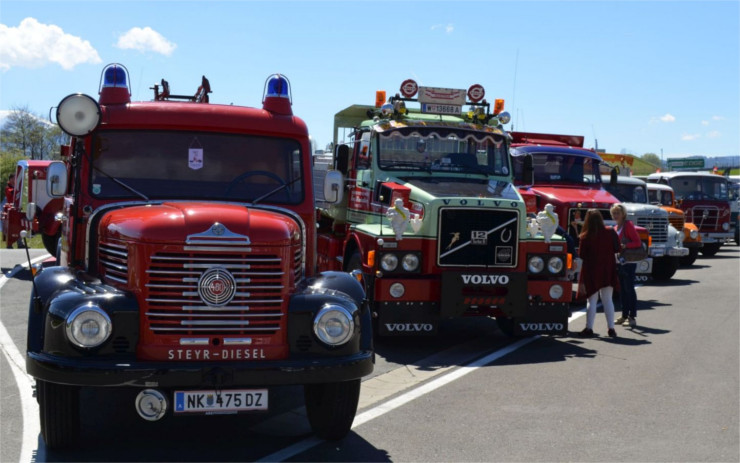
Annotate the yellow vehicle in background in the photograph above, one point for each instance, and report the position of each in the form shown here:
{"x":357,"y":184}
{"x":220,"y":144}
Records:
{"x":663,"y":196}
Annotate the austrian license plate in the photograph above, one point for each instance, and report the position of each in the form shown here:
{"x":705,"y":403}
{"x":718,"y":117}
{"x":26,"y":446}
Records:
{"x":210,"y":401}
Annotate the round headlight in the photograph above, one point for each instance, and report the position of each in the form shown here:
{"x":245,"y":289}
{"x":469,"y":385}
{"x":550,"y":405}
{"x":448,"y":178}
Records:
{"x":556,"y":291}
{"x":78,"y":114}
{"x":555,"y":265}
{"x":410,"y":262}
{"x":694,"y":234}
{"x":88,"y":326}
{"x":389,"y":262}
{"x":536,"y":264}
{"x":397,"y":290}
{"x":726,"y":226}
{"x":333,"y":325}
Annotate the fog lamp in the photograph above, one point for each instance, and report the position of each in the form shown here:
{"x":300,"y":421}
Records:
{"x":556,"y":291}
{"x":397,"y":290}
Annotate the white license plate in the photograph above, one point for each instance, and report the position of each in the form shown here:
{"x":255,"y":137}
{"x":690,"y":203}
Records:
{"x":210,"y":401}
{"x":441,"y":109}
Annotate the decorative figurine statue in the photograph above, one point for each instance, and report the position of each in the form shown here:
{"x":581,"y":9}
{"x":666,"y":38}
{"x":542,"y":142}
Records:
{"x":400,"y":218}
{"x":548,"y":222}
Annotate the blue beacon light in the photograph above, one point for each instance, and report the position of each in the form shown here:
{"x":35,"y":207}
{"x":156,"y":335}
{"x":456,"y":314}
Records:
{"x":115,"y":77}
{"x":114,"y":86}
{"x":277,"y":96}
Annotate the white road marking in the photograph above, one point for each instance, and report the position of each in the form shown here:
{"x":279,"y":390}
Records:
{"x":29,"y":407}
{"x":382,"y":409}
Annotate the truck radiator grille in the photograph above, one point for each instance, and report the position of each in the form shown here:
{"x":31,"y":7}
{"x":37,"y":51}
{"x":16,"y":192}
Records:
{"x":657,"y":227}
{"x":478,"y":237}
{"x":175,"y":305}
{"x":113,"y":260}
{"x":676,"y":220}
{"x":706,"y":218}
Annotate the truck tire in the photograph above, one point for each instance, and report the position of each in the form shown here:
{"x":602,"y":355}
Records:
{"x":59,"y":414}
{"x":664,"y":268}
{"x":51,"y":242}
{"x":331,"y":407}
{"x":689,"y":260}
{"x":710,"y":249}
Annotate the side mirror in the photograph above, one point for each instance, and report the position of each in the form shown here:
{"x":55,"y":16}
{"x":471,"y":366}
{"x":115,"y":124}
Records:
{"x":333,"y":187}
{"x":341,"y":161}
{"x":30,"y":211}
{"x":56,"y":179}
{"x":613,"y":177}
{"x":528,"y":170}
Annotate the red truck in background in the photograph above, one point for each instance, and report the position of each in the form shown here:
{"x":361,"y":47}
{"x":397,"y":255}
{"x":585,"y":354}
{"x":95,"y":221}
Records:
{"x":569,"y":177}
{"x":705,"y":199}
{"x":188,"y":265}
{"x":31,"y":207}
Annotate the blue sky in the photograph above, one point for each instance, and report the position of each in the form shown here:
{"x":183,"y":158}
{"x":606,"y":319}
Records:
{"x":638,"y":76}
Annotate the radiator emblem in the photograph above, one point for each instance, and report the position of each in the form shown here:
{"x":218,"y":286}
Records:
{"x":216,"y":287}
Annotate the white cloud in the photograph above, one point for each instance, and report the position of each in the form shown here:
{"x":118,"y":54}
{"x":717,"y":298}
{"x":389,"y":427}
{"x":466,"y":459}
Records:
{"x":713,"y":134}
{"x":667,"y":117}
{"x":717,"y":118}
{"x":145,"y":39}
{"x":449,"y":28}
{"x":33,"y":44}
{"x":690,"y":136}
{"x":704,"y":122}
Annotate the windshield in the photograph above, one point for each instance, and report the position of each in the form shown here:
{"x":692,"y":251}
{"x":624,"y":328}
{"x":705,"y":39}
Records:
{"x":560,"y":168}
{"x":628,"y":193}
{"x":662,"y":197}
{"x":439,"y":149}
{"x":700,"y":188}
{"x":195,"y":165}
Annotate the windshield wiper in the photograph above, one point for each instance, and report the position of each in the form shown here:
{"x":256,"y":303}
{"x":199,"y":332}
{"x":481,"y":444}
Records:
{"x":280,"y":188}
{"x":124,"y":185}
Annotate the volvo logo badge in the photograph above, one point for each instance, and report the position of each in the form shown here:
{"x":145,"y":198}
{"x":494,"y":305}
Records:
{"x":218,"y":229}
{"x":216,"y":287}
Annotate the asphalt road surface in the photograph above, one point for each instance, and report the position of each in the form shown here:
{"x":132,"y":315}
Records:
{"x":667,"y":390}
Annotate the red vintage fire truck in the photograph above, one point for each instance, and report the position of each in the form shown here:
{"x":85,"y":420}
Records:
{"x":32,"y":208}
{"x":188,"y":269}
{"x":568,"y":176}
{"x":420,"y":200}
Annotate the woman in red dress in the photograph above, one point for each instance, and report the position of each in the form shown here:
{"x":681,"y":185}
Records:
{"x":599,"y":277}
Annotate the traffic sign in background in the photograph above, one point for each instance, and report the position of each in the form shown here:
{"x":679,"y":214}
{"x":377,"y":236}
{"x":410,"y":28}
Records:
{"x":686,"y":163}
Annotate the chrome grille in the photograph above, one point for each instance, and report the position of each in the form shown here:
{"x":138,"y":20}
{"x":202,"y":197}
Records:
{"x":656,"y":226}
{"x":174,"y":305}
{"x":113,"y":260}
{"x":706,"y":218}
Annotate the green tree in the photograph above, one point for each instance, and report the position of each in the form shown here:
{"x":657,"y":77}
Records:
{"x":652,"y":158}
{"x":28,"y":134}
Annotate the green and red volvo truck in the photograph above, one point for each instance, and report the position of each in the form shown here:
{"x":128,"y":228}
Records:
{"x":188,"y":265}
{"x":418,"y":197}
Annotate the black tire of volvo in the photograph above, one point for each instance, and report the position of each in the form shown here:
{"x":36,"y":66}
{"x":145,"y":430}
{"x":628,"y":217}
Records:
{"x":331,"y":407}
{"x":691,"y":258}
{"x":51,"y":242}
{"x":59,"y":414}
